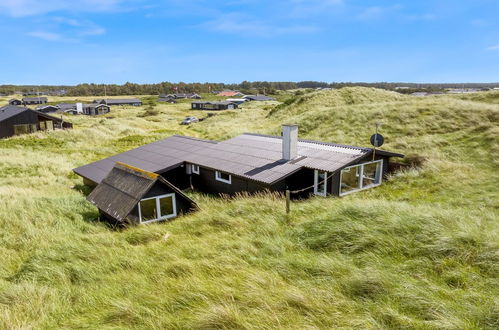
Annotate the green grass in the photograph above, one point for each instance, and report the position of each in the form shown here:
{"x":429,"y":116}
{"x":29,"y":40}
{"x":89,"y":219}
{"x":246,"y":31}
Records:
{"x":420,"y":251}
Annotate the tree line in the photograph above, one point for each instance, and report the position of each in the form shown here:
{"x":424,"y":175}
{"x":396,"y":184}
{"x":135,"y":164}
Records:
{"x":247,"y":87}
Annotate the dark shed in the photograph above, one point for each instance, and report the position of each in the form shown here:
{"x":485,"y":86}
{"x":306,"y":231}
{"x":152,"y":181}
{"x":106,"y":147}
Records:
{"x":133,"y":101}
{"x":16,"y":120}
{"x":131,"y":195}
{"x":15,"y":102}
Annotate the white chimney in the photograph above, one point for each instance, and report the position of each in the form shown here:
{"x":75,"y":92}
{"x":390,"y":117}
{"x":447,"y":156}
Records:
{"x":289,"y":142}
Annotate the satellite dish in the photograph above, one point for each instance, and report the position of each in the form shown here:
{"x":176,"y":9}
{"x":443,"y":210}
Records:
{"x":377,"y":140}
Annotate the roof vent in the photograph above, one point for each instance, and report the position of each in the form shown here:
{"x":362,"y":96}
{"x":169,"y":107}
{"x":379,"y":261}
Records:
{"x":289,"y":141}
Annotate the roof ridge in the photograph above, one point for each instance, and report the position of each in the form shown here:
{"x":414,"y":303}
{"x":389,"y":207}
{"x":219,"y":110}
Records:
{"x":313,"y":141}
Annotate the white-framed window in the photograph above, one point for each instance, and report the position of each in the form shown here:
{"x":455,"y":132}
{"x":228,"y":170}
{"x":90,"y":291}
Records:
{"x":195,"y":169}
{"x":320,"y":183}
{"x":157,"y":208}
{"x":223,"y":177}
{"x":361,"y":176}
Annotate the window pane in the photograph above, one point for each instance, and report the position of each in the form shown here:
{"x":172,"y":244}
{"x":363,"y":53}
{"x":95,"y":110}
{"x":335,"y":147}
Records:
{"x":43,"y":126}
{"x":21,"y":129}
{"x":371,"y":174}
{"x":148,"y":209}
{"x":224,"y":176}
{"x":350,"y":179}
{"x":50,"y":124}
{"x":321,"y":183}
{"x":166,"y":206}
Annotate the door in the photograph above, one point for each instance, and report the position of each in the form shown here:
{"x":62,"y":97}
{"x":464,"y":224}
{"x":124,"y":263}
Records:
{"x":320,"y":183}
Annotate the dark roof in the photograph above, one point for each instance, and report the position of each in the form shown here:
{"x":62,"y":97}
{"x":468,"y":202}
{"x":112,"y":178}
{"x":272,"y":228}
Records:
{"x":155,"y":157}
{"x":258,"y":98}
{"x":47,"y":106}
{"x":28,"y":99}
{"x":166,"y":99}
{"x":10,"y":111}
{"x":67,"y":106}
{"x":123,"y":188}
{"x":211,"y":102}
{"x":252,"y":156}
{"x":94,"y":105}
{"x":119,"y":101}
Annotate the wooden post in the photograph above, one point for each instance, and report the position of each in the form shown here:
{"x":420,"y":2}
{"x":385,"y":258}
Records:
{"x":287,"y":201}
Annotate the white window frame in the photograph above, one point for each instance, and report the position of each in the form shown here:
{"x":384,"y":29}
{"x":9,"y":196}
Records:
{"x":316,"y":183}
{"x":195,"y":168}
{"x":218,"y":178}
{"x":361,"y":176}
{"x":158,"y":208}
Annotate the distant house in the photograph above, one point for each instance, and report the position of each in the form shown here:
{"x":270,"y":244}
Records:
{"x":258,"y":98}
{"x":34,"y":100}
{"x":237,"y":101}
{"x":94,"y":109}
{"x":166,"y":99}
{"x":67,"y":107}
{"x":15,"y":102}
{"x":16,"y":120}
{"x":129,"y":195}
{"x":33,"y":93}
{"x":90,"y":109}
{"x":133,"y":101}
{"x":181,"y":96}
{"x":230,"y":94}
{"x":48,"y":108}
{"x":207,"y":105}
{"x":248,"y":163}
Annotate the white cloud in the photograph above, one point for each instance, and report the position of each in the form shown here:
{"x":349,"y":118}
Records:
{"x":236,"y":23}
{"x":20,"y":8}
{"x":304,"y":8}
{"x":82,"y":27}
{"x":49,"y":36}
{"x":496,"y":47}
{"x":376,"y":12}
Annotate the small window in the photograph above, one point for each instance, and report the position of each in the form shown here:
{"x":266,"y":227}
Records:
{"x":223,"y":177}
{"x":157,"y":208}
{"x":195,"y":169}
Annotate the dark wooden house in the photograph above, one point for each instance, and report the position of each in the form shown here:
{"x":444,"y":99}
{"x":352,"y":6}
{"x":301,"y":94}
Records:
{"x":48,"y":108}
{"x":16,"y":120}
{"x":94,"y":109}
{"x":129,"y":195}
{"x":166,"y":99}
{"x":34,"y":100}
{"x":258,"y":98}
{"x":253,"y":163}
{"x":15,"y":102}
{"x":207,"y":105}
{"x":133,"y":101}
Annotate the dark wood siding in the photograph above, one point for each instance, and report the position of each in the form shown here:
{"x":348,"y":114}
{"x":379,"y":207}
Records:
{"x":7,"y":125}
{"x":205,"y":181}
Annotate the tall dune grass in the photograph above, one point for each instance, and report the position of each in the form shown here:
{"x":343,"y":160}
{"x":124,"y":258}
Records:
{"x":420,"y":251}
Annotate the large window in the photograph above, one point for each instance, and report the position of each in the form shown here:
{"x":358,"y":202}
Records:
{"x":362,"y":176}
{"x":157,"y":208}
{"x":24,"y":129}
{"x":223,"y":177}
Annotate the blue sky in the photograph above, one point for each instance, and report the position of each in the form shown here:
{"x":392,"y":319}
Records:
{"x":114,"y":41}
